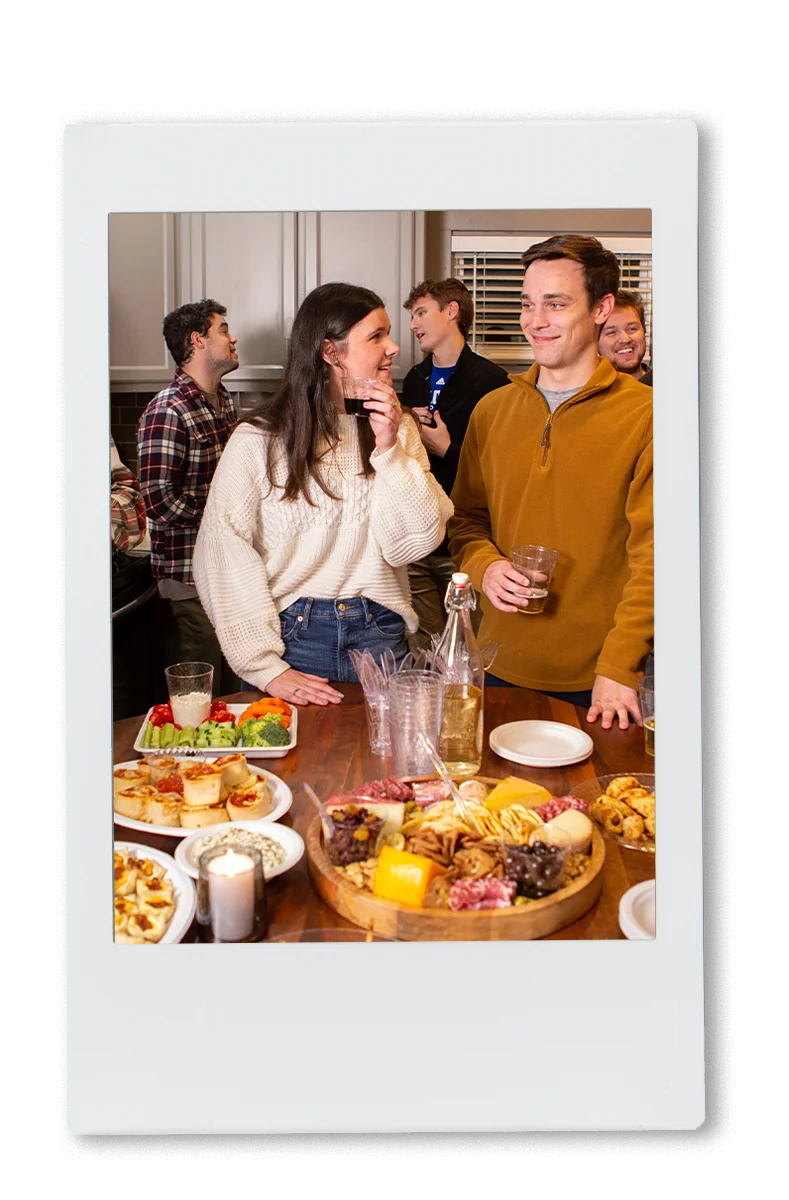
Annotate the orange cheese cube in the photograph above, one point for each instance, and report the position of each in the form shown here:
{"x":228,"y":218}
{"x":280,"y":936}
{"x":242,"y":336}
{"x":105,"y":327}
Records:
{"x":404,"y":877}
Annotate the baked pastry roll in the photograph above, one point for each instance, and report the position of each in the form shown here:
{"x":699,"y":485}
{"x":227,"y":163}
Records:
{"x":249,"y":804}
{"x":165,"y":809}
{"x":194,"y":817}
{"x":160,"y":766}
{"x":649,"y":825}
{"x":610,"y":813}
{"x":643,"y":803}
{"x":623,"y":784}
{"x":202,"y":784}
{"x":134,"y":802}
{"x":633,"y":828}
{"x":126,"y":778}
{"x":235,"y":771}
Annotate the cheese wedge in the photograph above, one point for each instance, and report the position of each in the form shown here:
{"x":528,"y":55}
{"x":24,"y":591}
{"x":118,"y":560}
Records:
{"x":571,"y":831}
{"x":516,"y":791}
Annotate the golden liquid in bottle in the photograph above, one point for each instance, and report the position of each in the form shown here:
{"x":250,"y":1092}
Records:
{"x":461,"y":731}
{"x":649,"y":736}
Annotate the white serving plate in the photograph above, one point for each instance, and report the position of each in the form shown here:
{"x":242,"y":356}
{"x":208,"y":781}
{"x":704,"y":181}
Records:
{"x":247,"y":751}
{"x":291,"y":842}
{"x":280,"y":794}
{"x":541,"y":743}
{"x":185,"y":895}
{"x":637,"y":912}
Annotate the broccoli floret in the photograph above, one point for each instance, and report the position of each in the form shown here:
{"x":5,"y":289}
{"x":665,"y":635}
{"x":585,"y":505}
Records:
{"x":272,"y":719}
{"x":274,"y":735}
{"x":260,"y":731}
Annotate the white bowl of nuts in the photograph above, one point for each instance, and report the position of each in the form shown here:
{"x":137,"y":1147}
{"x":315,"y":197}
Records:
{"x":280,"y":846}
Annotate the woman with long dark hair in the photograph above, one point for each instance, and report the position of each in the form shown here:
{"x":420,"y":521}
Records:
{"x":313,"y":515}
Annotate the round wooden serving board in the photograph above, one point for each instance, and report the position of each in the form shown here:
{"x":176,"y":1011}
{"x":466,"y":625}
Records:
{"x":401,"y":921}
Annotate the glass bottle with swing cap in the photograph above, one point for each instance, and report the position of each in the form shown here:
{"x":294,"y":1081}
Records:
{"x":458,"y":659}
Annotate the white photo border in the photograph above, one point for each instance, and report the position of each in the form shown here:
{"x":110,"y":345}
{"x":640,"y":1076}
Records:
{"x":504,"y":1036}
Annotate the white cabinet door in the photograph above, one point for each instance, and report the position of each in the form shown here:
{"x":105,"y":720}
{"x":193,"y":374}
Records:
{"x":383,"y":251}
{"x":142,"y":291}
{"x":247,"y":262}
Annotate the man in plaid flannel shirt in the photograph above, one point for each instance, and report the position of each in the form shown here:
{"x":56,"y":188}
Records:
{"x":181,"y":436}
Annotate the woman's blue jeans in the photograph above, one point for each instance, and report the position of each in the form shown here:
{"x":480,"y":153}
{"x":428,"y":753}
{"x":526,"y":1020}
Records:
{"x":319,"y":633}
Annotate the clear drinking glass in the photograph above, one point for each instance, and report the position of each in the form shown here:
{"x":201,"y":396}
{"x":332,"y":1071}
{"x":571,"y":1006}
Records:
{"x":355,"y":391}
{"x":538,"y":563}
{"x":646,"y":702}
{"x":190,"y":685}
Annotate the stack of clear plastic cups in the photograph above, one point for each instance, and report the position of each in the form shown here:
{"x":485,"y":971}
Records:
{"x":416,"y":705}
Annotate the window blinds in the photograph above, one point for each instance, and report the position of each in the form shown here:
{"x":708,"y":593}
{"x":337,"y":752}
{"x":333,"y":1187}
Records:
{"x":490,"y":267}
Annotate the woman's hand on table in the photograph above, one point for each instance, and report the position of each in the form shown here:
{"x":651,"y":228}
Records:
{"x":385,"y":415}
{"x":299,"y":688}
{"x":611,"y":700}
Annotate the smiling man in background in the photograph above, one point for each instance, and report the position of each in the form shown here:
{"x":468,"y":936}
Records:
{"x":442,"y":391}
{"x":623,"y":338}
{"x":180,"y":439}
{"x":563,"y":458}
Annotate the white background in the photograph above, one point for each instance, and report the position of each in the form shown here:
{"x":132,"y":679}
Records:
{"x":83,"y":63}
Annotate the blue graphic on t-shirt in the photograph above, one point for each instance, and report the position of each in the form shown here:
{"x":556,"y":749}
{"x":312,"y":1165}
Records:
{"x":438,"y":377}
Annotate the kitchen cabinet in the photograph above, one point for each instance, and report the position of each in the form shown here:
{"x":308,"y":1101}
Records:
{"x":143,"y":288}
{"x":260,"y":266}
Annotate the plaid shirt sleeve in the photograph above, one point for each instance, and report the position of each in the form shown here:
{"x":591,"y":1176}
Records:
{"x":163,"y":448}
{"x":127,"y":510}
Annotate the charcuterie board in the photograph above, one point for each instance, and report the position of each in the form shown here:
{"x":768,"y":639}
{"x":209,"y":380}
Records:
{"x":408,"y":923}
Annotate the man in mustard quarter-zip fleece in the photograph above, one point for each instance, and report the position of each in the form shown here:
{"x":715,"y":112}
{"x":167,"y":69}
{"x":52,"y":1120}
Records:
{"x":562,"y":457}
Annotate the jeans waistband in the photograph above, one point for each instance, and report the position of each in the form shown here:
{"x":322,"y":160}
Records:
{"x":355,"y":608}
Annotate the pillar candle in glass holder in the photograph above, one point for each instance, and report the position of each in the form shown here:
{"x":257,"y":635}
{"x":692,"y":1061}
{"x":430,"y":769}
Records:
{"x":231,"y":892}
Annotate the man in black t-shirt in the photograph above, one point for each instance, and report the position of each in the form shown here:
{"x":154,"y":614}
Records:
{"x":442,"y":391}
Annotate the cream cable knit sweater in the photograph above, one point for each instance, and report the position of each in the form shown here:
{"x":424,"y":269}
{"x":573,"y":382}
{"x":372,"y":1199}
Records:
{"x":256,"y":554}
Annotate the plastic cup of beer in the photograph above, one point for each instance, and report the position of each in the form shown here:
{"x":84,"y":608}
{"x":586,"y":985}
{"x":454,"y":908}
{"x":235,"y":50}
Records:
{"x":646,"y":702}
{"x":355,"y":391}
{"x":538,"y":564}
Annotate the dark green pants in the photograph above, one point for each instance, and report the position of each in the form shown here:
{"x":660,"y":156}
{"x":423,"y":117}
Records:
{"x":188,"y":636}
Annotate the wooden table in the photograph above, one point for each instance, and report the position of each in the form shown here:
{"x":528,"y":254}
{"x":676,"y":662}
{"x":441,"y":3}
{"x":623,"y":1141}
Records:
{"x":333,"y":755}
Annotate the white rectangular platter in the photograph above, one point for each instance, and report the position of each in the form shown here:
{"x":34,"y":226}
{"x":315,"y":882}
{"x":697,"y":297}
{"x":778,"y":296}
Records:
{"x":248,"y":751}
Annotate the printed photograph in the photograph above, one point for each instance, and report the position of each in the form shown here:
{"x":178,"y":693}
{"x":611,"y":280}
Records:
{"x":382,"y":575}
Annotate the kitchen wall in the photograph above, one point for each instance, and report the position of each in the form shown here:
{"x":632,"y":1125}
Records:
{"x":439,"y":227}
{"x":262,"y":264}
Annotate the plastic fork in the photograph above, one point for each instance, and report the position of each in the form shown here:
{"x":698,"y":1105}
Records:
{"x":447,"y":778}
{"x":488,"y":654}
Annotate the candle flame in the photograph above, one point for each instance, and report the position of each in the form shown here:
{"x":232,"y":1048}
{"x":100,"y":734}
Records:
{"x":231,"y":863}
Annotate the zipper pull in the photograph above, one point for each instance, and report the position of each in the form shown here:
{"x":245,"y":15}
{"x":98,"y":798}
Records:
{"x":546,"y":433}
